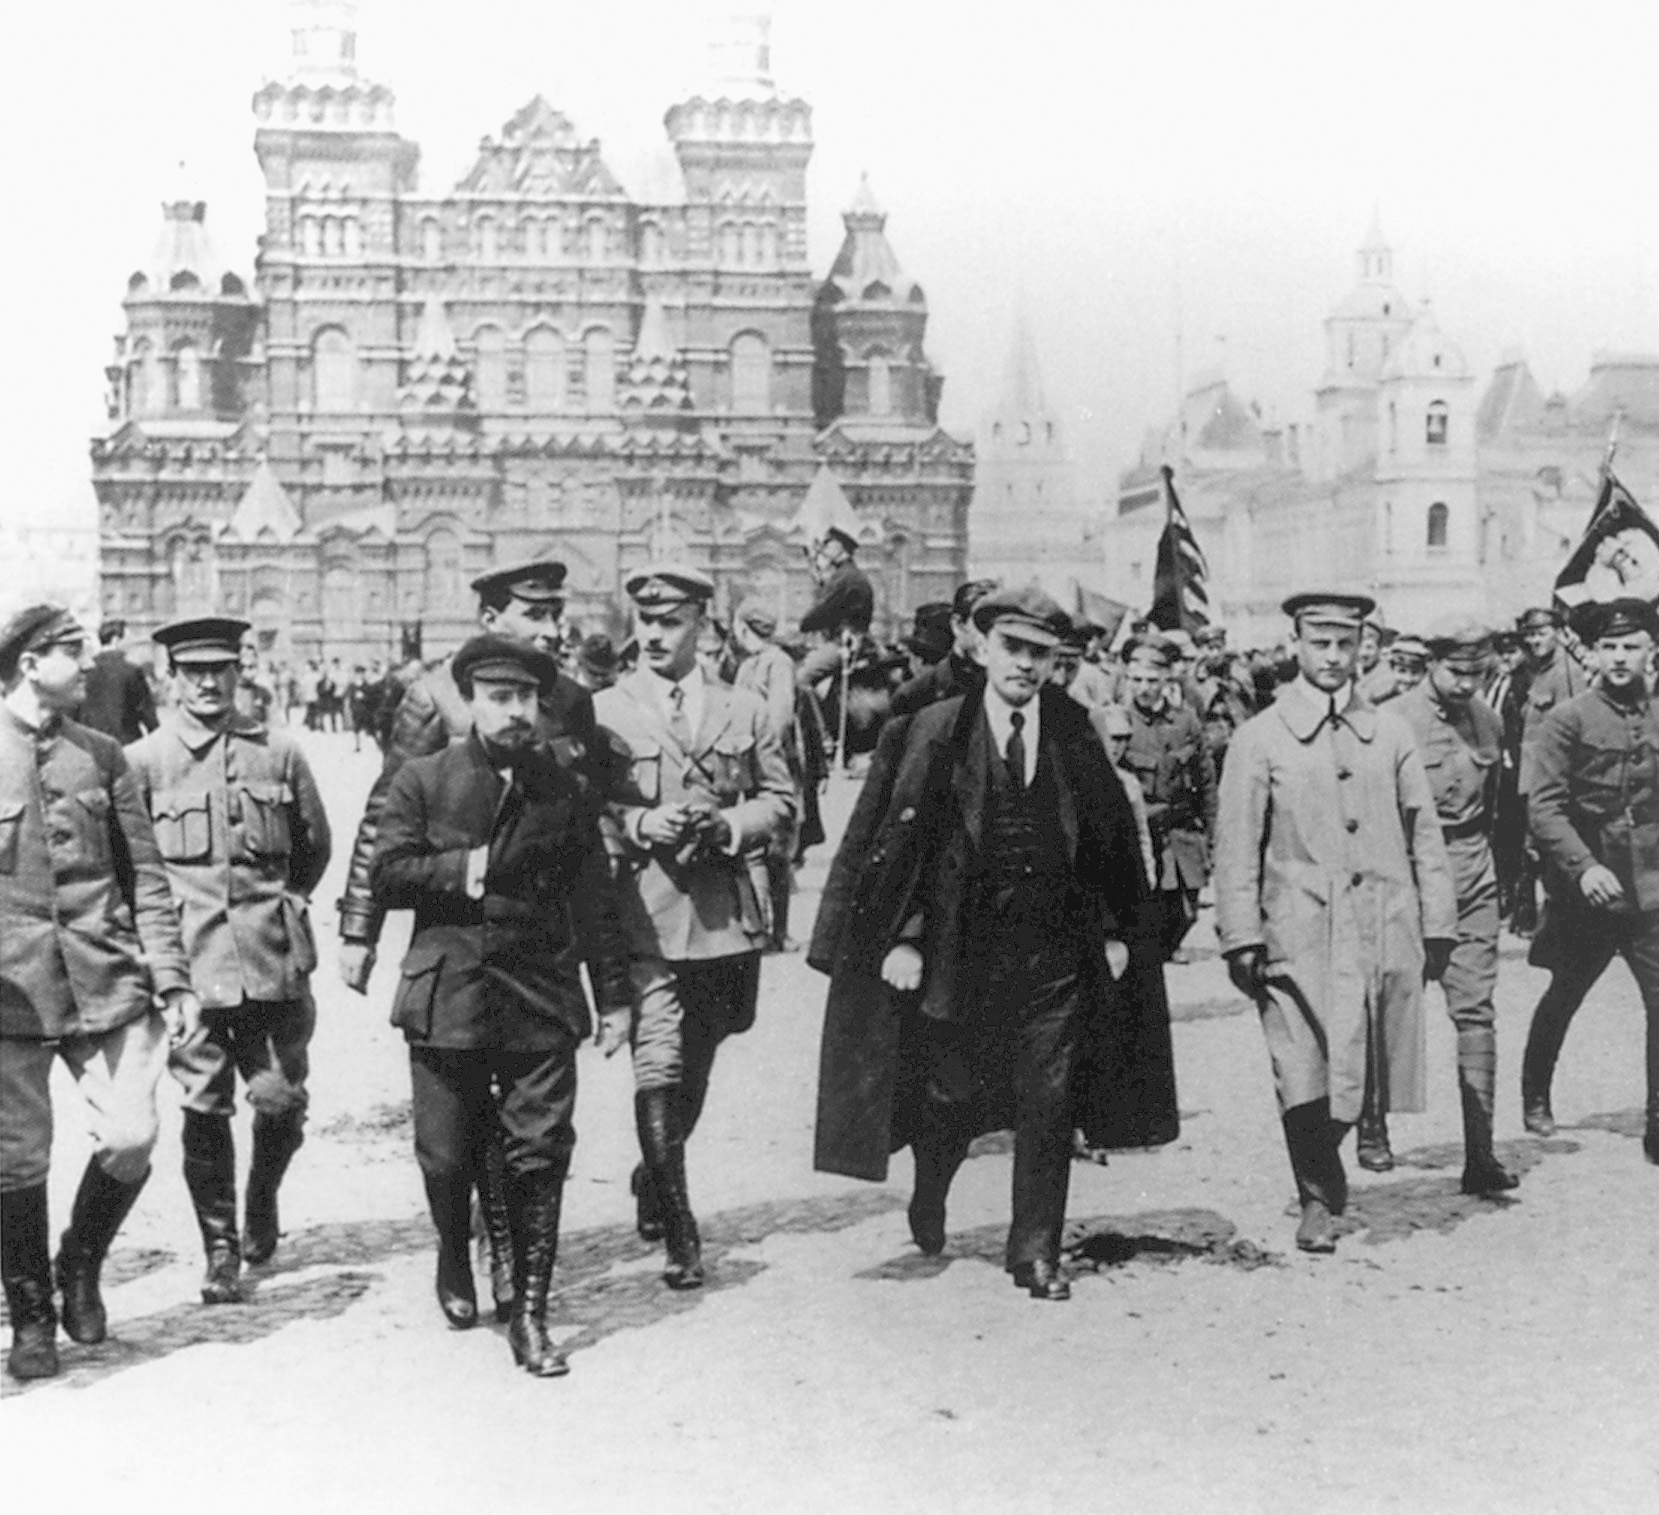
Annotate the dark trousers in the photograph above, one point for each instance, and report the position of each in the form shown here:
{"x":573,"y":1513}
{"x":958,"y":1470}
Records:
{"x":1577,"y":947}
{"x":684,"y":1009}
{"x":460,"y":1097}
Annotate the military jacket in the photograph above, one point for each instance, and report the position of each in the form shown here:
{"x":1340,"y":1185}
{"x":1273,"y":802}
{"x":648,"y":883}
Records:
{"x":846,"y":602}
{"x":1168,"y":754}
{"x":1461,"y":752}
{"x":241,"y":828}
{"x":88,"y":930}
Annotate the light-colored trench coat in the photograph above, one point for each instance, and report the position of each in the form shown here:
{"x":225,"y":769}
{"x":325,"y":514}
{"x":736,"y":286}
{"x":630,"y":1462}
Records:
{"x":1329,"y":854}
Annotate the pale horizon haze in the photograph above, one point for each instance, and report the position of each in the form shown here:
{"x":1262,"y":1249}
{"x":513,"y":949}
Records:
{"x":1105,"y":168}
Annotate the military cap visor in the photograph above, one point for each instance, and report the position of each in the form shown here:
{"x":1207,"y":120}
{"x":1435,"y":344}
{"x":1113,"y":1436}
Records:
{"x":1151,"y":648}
{"x":34,"y":630}
{"x":1538,"y":618}
{"x":1622,"y":618}
{"x":203,"y":640}
{"x":1027,"y":613}
{"x":1459,"y":639}
{"x":493,"y":659}
{"x":1327,"y":608}
{"x":536,"y":583}
{"x":845,"y":538}
{"x":665,"y":584}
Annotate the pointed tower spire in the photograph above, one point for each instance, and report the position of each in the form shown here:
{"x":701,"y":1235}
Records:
{"x":1022,"y":379}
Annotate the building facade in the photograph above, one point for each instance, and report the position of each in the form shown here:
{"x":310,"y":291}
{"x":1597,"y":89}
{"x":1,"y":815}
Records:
{"x":421,"y":385}
{"x":1405,"y":482}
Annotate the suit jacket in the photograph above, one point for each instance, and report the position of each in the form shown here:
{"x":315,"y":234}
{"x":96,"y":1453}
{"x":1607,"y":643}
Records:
{"x":708,"y":906}
{"x":88,"y":930}
{"x":910,"y":854}
{"x":951,"y":676}
{"x":241,"y":828}
{"x":845,"y":602}
{"x":501,"y":971}
{"x":118,"y":700}
{"x":430,"y":715}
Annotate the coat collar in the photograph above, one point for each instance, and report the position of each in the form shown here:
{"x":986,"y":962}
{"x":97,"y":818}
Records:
{"x":970,"y":742}
{"x":196,"y":738}
{"x":641,"y":687}
{"x":1304,"y":714}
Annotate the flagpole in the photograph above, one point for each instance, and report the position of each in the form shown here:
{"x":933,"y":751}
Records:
{"x":1612,"y":442}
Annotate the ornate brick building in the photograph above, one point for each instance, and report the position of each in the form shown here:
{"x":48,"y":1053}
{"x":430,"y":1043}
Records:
{"x":421,"y":385}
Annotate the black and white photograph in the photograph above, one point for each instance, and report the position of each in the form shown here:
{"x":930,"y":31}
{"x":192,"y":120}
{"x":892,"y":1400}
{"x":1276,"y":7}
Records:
{"x":884,"y":758}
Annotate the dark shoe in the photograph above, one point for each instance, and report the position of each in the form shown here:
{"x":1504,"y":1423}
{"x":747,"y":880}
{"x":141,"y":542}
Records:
{"x":222,"y":1282}
{"x":26,"y":1269}
{"x":274,"y":1145}
{"x":1486,"y":1175}
{"x":1536,"y":1114}
{"x":927,"y":1222}
{"x":498,"y":1232}
{"x":1372,"y":1147}
{"x":1042,"y":1280}
{"x":102,"y":1203}
{"x":210,"y":1176}
{"x":647,"y":1216}
{"x":449,"y":1199}
{"x":1650,"y":1143}
{"x":1316,"y":1233}
{"x":534,"y":1201}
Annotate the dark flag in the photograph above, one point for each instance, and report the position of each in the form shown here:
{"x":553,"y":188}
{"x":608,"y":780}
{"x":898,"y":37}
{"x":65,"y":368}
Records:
{"x":1180,"y":596}
{"x":1098,"y":610}
{"x":1617,"y":556}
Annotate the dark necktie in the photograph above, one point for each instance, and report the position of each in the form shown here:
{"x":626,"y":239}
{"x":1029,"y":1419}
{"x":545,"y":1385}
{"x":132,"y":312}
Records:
{"x":1016,"y":750}
{"x":677,"y":722}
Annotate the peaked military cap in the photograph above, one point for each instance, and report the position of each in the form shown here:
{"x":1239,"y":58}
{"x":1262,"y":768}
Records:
{"x":537,"y":583}
{"x":845,"y":538}
{"x":34,"y":630}
{"x":1537,"y":618}
{"x":501,"y":660}
{"x":1408,"y":648}
{"x":203,"y":640}
{"x":1621,"y":618}
{"x":758,"y":618}
{"x":1326,"y":607}
{"x":1152,"y":647}
{"x":970,"y":594}
{"x":1460,"y":638}
{"x":1033,"y":614}
{"x":660,"y":585}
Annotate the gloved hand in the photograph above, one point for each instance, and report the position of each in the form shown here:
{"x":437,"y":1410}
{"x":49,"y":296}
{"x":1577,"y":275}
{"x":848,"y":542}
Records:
{"x":1247,"y":967}
{"x":1437,"y":954}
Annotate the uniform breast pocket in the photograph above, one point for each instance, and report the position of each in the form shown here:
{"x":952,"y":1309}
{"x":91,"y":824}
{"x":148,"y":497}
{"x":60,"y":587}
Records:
{"x":645,"y":774}
{"x":1601,"y":778}
{"x":417,"y":993}
{"x":11,"y":836}
{"x":89,"y":819}
{"x":733,"y":762}
{"x":265,"y":819}
{"x":184,"y":828}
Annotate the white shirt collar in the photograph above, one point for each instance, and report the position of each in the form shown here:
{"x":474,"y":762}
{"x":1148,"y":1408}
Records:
{"x":1320,"y":700}
{"x":999,"y":713}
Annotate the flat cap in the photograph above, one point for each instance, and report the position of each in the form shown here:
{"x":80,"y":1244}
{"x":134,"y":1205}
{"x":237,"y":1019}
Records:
{"x":539,"y":582}
{"x":970,"y":594}
{"x":1329,"y":607}
{"x":667,"y":583}
{"x":1620,"y":618}
{"x":598,"y":654}
{"x":1029,"y":611}
{"x":34,"y":630}
{"x":1537,"y":618}
{"x":845,"y":538}
{"x":758,"y":617}
{"x":1408,"y":648}
{"x":930,"y":636}
{"x":1462,"y":638}
{"x":203,"y":640}
{"x":500,"y":660}
{"x":1152,"y":647}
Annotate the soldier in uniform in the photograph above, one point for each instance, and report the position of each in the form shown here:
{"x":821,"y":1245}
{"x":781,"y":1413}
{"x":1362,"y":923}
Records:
{"x":241,"y":828}
{"x":702,"y":792}
{"x":1592,"y":784}
{"x":843,"y":609}
{"x":1168,"y":754}
{"x":1334,"y":898}
{"x":960,"y":671}
{"x":1506,"y":693}
{"x":89,"y":946}
{"x":496,"y":847}
{"x":1459,"y":738}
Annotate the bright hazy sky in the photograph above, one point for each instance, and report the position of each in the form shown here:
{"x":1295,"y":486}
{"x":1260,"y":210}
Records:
{"x":1104,"y":165}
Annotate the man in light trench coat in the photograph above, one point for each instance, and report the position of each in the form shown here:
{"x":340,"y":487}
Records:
{"x":1334,"y":898}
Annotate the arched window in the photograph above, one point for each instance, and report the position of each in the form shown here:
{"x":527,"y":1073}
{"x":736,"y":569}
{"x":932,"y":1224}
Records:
{"x":769,"y":246}
{"x":650,"y":244}
{"x":1437,"y":424}
{"x":140,"y":379}
{"x":311,"y":241}
{"x":598,"y":241}
{"x":484,"y":235}
{"x":490,"y":344}
{"x":1438,"y":518}
{"x":731,"y":251}
{"x":751,"y":245}
{"x":334,"y":242}
{"x":599,"y":367}
{"x":881,"y":385}
{"x":751,"y":374}
{"x":432,"y":240}
{"x":187,"y":377}
{"x":1393,"y":427}
{"x":333,"y":372}
{"x":544,"y":371}
{"x":443,"y":571}
{"x":352,"y":233}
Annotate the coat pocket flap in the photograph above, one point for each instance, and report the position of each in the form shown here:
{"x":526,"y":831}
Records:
{"x":423,"y":957}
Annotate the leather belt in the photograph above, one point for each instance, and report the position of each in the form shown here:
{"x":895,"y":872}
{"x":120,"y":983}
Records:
{"x":1479,"y":825}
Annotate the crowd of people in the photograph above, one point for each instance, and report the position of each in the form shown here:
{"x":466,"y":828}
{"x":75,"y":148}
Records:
{"x":599,"y":841}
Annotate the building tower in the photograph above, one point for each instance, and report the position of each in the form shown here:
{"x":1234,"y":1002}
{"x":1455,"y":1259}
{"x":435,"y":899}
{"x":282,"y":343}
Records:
{"x":1025,"y":522}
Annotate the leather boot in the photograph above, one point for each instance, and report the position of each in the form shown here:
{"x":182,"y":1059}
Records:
{"x":534,"y":1214}
{"x":102,"y":1203}
{"x":1650,"y":1137}
{"x":937,"y":1159}
{"x":647,"y":1213}
{"x":1313,"y":1140}
{"x":498,"y":1231}
{"x":1477,"y":1072}
{"x":210,"y":1176}
{"x":664,"y":1152}
{"x":1371,"y":1145}
{"x":449,"y":1198}
{"x":26,"y":1271}
{"x":274,"y":1144}
{"x":781,"y":886}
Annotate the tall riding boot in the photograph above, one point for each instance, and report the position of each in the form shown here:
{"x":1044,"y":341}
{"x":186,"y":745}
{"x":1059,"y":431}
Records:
{"x":781,"y":885}
{"x":449,"y":1198}
{"x":533,"y":1209}
{"x":1548,"y":1030}
{"x":274,"y":1144}
{"x":647,"y":1212}
{"x":26,"y":1271}
{"x":664,"y":1152}
{"x":1477,"y":1076}
{"x":102,"y":1203}
{"x":938,"y":1153}
{"x":1371,"y":1143}
{"x":492,"y":1201}
{"x":1312,"y":1139}
{"x":210,"y":1176}
{"x":1650,"y":1137}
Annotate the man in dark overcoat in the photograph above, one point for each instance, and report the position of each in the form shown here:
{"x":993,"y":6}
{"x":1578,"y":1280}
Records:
{"x":496,"y":848}
{"x":118,"y":699}
{"x":959,"y":671}
{"x":985,"y":900}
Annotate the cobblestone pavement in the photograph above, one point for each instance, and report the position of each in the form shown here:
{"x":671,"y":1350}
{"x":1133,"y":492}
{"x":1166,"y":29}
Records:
{"x":1456,"y":1354}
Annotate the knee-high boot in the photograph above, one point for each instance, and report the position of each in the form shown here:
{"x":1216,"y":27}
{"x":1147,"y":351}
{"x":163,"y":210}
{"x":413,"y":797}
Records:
{"x":938,"y":1153}
{"x":275,"y":1141}
{"x":663,"y":1148}
{"x":780,"y":885}
{"x":498,"y":1232}
{"x":1548,"y":1030}
{"x":449,"y":1198}
{"x":210,"y":1176}
{"x":534,"y":1202}
{"x":26,"y":1271}
{"x":102,"y":1203}
{"x":1313,"y":1140}
{"x":1477,"y":1075}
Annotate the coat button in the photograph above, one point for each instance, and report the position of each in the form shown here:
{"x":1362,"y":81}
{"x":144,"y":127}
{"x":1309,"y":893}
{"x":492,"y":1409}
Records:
{"x":1357,"y":880}
{"x":1353,"y":825}
{"x":1345,"y":773}
{"x":908,"y":813}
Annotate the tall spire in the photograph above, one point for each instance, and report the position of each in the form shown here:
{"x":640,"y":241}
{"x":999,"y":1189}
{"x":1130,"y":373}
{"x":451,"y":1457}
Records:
{"x":1022,"y":379}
